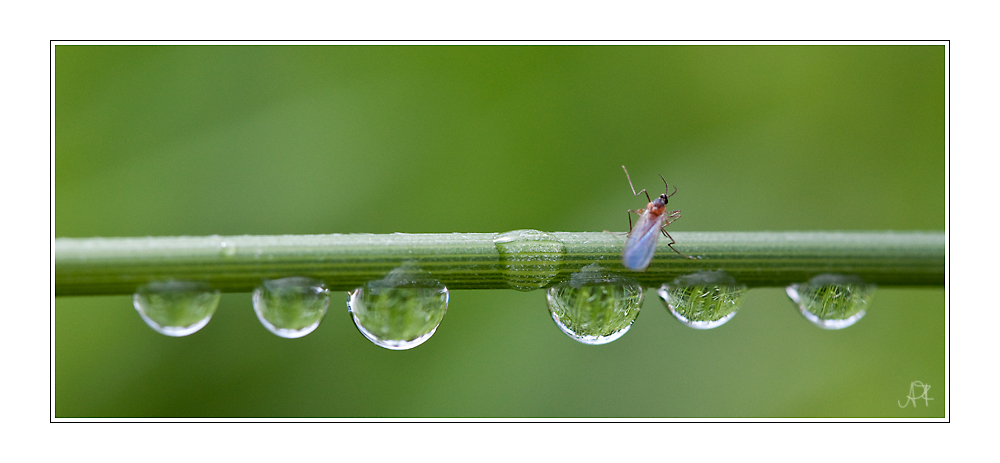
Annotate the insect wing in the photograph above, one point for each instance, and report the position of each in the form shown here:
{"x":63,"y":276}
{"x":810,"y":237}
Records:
{"x":641,"y":243}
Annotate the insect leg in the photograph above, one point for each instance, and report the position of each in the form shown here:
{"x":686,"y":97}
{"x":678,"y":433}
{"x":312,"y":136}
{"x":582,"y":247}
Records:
{"x":669,"y":220}
{"x":632,"y":187}
{"x":671,"y":244}
{"x":672,"y":217}
{"x":629,"y":213}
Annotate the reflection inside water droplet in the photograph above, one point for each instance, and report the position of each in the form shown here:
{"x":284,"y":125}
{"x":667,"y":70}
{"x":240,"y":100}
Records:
{"x":291,"y":307}
{"x":595,"y":307}
{"x":530,"y":259}
{"x":401,"y":311}
{"x":176,"y":308}
{"x":703,"y":300}
{"x":830,"y":301}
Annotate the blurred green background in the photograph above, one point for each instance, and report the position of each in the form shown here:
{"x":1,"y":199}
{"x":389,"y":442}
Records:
{"x":201,"y":140}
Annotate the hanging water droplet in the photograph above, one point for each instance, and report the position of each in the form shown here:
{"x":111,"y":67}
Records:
{"x":595,"y":307}
{"x":291,"y":307}
{"x":401,"y":311}
{"x":530,"y":259}
{"x":832,"y":302}
{"x":176,"y":308}
{"x":703,"y":300}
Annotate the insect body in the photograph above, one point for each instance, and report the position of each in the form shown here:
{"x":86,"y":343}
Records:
{"x":641,"y":242}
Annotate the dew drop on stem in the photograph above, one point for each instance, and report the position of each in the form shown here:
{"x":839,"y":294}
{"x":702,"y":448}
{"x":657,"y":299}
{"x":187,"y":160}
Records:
{"x":703,"y":300}
{"x":176,"y":308}
{"x":227,"y":249}
{"x":595,"y":307}
{"x":291,"y":307}
{"x":832,"y":301}
{"x":529,"y":259}
{"x":401,"y":311}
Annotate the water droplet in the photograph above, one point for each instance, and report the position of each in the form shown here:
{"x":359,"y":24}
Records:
{"x":703,"y":300}
{"x":176,"y":308}
{"x":530,"y":258}
{"x":227,"y":249}
{"x":291,"y":307}
{"x":595,"y":307}
{"x":832,"y":302}
{"x":401,"y":311}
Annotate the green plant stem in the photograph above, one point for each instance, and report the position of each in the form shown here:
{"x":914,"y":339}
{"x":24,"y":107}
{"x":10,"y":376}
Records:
{"x":91,"y":266}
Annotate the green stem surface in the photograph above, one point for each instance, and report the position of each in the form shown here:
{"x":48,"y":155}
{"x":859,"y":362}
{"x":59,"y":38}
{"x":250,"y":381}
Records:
{"x":522,"y":259}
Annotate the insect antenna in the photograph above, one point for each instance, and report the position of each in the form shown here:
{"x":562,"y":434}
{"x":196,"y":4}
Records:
{"x":667,"y":187}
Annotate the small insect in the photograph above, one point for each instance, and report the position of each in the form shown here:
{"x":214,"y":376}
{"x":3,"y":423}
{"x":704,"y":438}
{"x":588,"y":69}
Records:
{"x":653,"y":219}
